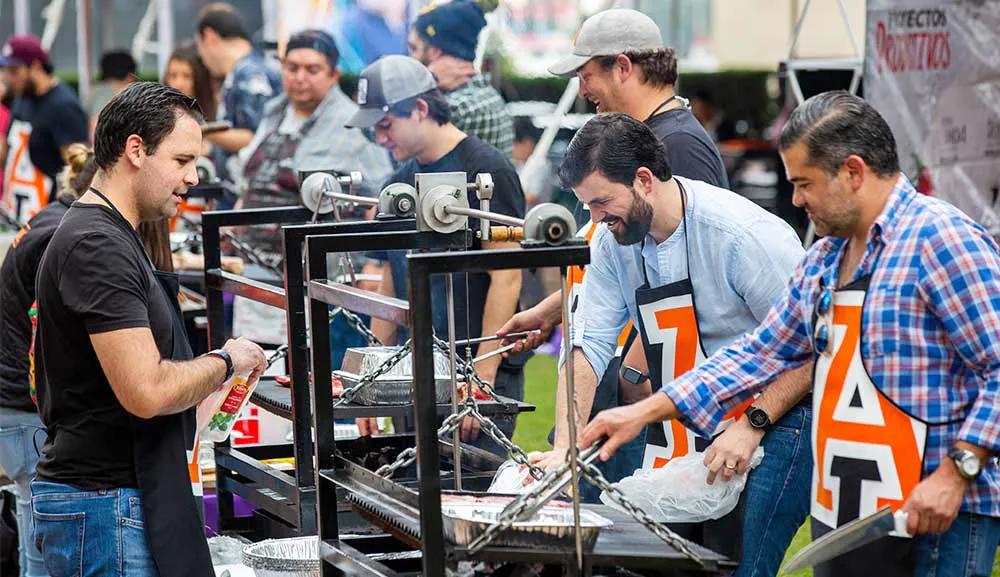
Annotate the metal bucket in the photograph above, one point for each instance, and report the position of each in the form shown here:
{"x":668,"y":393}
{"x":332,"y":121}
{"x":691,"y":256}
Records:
{"x":296,"y":557}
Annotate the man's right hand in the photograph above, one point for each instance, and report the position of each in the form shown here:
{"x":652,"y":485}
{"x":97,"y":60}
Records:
{"x":619,"y":425}
{"x":248,"y":357}
{"x":537,"y":318}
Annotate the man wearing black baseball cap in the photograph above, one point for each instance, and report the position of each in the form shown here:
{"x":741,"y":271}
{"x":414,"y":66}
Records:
{"x":46,"y":119}
{"x":399,"y":97}
{"x":443,"y":38}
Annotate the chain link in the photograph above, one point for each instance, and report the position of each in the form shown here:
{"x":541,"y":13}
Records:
{"x":593,"y":474}
{"x":358,"y":325}
{"x":408,"y":456}
{"x":515,"y":453}
{"x":278,"y":354}
{"x":369,"y":377}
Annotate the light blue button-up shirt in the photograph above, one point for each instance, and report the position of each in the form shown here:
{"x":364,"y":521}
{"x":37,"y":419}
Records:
{"x":741,"y":260}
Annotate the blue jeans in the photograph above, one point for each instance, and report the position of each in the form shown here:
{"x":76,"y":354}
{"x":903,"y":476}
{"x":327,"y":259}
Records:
{"x":91,"y":532}
{"x":20,"y":433}
{"x":777,"y":494}
{"x":967,"y":549}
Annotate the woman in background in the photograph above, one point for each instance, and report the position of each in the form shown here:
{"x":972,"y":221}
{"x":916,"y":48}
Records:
{"x":21,"y":430}
{"x":186,"y":72}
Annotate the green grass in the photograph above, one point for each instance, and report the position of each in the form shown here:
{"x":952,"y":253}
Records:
{"x":533,"y":429}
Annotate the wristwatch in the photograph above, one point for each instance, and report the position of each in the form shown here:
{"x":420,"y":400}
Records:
{"x":632,"y":375}
{"x":968,"y":464}
{"x":758,"y":418}
{"x":225,"y":357}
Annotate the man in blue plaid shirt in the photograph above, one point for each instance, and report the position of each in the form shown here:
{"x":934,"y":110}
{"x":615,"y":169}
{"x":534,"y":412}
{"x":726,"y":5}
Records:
{"x":899,"y":305}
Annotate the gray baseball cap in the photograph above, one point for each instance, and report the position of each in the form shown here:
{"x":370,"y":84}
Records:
{"x":610,"y":33}
{"x":385,"y":82}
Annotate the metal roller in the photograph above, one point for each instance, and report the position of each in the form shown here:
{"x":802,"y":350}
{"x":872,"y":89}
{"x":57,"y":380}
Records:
{"x":397,"y":200}
{"x":444,"y":208}
{"x":320,"y":189}
{"x":550,"y":223}
{"x":206,"y":170}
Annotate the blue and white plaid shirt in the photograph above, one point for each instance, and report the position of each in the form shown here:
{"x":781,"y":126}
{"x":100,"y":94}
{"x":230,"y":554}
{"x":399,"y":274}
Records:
{"x":931,"y":323}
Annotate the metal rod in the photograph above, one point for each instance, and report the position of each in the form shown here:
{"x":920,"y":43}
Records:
{"x":487,"y":339}
{"x":456,"y":449}
{"x":492,"y":353}
{"x":571,"y":412}
{"x":344,"y":197}
{"x":481,"y":214}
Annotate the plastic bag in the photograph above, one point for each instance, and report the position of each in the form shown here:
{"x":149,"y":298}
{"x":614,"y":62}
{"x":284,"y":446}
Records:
{"x":510,"y":479}
{"x":679,"y":491}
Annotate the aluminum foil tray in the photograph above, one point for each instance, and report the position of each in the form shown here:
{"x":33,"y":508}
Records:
{"x":550,"y":527}
{"x":394,"y":387}
{"x":296,"y":557}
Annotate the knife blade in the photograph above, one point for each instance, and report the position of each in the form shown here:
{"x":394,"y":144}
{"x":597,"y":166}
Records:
{"x":844,"y":539}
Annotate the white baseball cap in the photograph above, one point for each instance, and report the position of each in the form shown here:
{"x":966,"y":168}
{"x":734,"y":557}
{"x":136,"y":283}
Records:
{"x":610,"y":33}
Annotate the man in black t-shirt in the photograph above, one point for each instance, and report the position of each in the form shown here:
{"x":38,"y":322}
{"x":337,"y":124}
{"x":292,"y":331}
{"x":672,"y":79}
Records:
{"x":116,"y":384}
{"x":45,"y":119}
{"x":412,"y":119}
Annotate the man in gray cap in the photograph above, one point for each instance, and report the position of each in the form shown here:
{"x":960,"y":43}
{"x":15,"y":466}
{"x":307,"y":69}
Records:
{"x":399,"y":97}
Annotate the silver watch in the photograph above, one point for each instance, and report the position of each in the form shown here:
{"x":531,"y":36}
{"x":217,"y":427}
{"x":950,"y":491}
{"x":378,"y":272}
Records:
{"x":968,"y":464}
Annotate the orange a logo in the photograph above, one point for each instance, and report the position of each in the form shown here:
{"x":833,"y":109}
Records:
{"x":859,"y":434}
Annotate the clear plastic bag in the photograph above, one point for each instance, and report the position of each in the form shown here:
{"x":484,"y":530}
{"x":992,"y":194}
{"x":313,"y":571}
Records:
{"x":510,"y":479}
{"x":679,"y":491}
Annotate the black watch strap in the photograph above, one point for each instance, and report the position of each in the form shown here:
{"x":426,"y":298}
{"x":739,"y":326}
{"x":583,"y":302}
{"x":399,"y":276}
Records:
{"x":633,"y":375}
{"x":758,"y":417}
{"x":225,"y":357}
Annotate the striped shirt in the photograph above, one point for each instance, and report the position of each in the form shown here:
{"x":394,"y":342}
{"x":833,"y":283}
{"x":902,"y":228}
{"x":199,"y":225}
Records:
{"x":931,"y":324}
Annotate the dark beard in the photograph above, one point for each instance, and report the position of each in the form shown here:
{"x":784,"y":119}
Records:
{"x":30,"y":90}
{"x":636,"y":222}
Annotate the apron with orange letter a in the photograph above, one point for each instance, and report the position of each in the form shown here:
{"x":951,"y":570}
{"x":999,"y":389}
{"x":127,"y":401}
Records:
{"x":868,"y":452}
{"x":672,"y":343}
{"x":671,"y":340}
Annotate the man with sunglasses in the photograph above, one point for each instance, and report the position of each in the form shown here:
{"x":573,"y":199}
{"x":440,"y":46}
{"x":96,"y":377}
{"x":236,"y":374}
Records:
{"x":899,"y":306}
{"x":693,"y":266}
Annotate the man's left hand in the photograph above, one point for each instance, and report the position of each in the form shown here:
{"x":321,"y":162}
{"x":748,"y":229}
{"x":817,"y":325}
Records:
{"x":730,"y":453}
{"x":451,"y":72}
{"x":469,"y":430}
{"x":934,"y":503}
{"x":547,"y":460}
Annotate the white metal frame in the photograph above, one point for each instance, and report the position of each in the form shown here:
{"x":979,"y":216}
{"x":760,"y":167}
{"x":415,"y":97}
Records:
{"x":793,"y":65}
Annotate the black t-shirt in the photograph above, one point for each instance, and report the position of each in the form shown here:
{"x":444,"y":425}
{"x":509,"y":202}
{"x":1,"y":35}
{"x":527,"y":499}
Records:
{"x":17,"y":292}
{"x":471,"y":156}
{"x":690,"y":149}
{"x":56,"y":120}
{"x":94,"y":278}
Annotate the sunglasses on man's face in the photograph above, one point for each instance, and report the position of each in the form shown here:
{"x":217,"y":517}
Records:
{"x":823,"y":337}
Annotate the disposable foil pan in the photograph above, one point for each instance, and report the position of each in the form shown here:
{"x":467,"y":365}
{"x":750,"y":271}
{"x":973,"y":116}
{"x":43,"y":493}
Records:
{"x":550,"y":527}
{"x":394,"y":387}
{"x":296,"y":557}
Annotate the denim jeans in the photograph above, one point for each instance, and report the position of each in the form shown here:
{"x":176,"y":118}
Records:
{"x":777,"y":494}
{"x":20,"y":433}
{"x":967,"y":549}
{"x":91,"y":532}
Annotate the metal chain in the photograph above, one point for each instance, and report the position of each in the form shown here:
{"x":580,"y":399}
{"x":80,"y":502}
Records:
{"x":515,"y":453}
{"x":369,"y":377}
{"x":278,"y":354}
{"x":593,"y":474}
{"x":408,"y":456}
{"x":252,"y":255}
{"x":468,"y":370}
{"x":358,"y":325}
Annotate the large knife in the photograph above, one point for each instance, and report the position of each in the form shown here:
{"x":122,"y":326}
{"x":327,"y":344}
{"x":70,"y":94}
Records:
{"x":855,"y":534}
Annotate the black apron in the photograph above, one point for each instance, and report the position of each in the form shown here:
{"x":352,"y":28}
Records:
{"x":867,"y":451}
{"x":174,"y":526}
{"x":668,"y":325}
{"x":273,"y":180}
